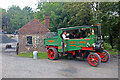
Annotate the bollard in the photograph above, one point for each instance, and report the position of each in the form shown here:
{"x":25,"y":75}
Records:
{"x":35,"y":54}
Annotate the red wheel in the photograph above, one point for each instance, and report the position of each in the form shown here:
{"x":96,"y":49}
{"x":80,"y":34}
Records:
{"x":94,"y":59}
{"x":105,"y":56}
{"x":52,"y":53}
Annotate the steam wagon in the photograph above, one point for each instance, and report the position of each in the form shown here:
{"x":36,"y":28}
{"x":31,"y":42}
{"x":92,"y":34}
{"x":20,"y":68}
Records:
{"x":86,"y":43}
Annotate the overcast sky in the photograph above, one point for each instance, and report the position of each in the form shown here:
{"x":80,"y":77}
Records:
{"x":21,"y":3}
{"x":31,"y":3}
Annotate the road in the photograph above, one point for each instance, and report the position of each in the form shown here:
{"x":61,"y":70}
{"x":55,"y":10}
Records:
{"x":18,"y":67}
{"x":0,"y":61}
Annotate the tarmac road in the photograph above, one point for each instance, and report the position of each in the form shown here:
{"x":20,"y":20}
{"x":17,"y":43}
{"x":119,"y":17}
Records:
{"x":19,"y":67}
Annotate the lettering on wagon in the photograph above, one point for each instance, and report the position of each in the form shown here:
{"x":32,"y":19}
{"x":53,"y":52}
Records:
{"x":50,"y":40}
{"x":80,"y":46}
{"x":72,"y":45}
{"x":71,"y":42}
{"x":82,"y":41}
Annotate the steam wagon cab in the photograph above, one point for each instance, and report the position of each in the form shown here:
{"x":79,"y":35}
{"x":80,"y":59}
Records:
{"x":80,"y":41}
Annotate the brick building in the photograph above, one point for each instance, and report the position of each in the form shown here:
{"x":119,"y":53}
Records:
{"x":31,"y":36}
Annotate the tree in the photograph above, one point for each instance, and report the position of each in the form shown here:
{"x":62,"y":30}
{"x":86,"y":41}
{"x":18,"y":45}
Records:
{"x":5,"y":20}
{"x":14,"y":13}
{"x":118,"y":43}
{"x":79,"y":13}
{"x":108,"y":13}
{"x":55,"y":10}
{"x":17,"y":17}
{"x":64,"y":14}
{"x":26,"y":16}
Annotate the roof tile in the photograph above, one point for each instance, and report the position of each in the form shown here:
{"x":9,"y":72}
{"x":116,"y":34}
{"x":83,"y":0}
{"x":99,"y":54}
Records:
{"x":33,"y":27}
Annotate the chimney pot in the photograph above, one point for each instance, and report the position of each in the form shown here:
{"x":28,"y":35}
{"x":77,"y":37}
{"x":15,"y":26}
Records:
{"x":46,"y":21}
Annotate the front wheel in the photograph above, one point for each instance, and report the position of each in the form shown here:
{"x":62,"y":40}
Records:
{"x":94,"y":59}
{"x":52,"y":53}
{"x":105,"y":56}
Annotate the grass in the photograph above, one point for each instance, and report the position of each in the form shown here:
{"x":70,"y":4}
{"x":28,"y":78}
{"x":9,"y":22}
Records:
{"x":108,"y":47}
{"x":41,"y":55}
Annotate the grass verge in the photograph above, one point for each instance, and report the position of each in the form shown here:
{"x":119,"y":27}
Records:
{"x":109,"y":49}
{"x":41,"y":55}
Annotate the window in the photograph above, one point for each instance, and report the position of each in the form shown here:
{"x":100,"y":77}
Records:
{"x":29,"y":40}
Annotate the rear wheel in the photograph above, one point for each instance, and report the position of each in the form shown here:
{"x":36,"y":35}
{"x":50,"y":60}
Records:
{"x":105,"y":56}
{"x":52,"y":53}
{"x":94,"y":59}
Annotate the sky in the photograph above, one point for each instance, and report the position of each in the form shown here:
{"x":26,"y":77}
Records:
{"x":22,"y":3}
{"x":5,"y":4}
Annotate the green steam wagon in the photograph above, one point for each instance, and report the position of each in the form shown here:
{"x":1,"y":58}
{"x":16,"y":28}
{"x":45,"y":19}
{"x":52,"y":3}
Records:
{"x":86,"y":43}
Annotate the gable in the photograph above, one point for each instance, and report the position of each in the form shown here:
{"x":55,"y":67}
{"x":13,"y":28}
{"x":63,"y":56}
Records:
{"x":33,"y":27}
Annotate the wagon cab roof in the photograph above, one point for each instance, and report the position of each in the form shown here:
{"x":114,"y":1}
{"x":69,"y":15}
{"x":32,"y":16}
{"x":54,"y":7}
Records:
{"x":77,"y":27}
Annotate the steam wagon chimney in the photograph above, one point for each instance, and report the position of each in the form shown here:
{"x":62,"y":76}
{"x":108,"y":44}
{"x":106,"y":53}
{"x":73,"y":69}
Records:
{"x":46,"y":21}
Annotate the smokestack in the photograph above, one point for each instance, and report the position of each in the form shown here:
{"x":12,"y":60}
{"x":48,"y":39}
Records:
{"x":46,"y":21}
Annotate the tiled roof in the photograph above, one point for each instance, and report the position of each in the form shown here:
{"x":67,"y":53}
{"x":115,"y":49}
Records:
{"x":33,"y":27}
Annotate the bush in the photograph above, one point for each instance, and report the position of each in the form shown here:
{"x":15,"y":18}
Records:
{"x":108,"y":47}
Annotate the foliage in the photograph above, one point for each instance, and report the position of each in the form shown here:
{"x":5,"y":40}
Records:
{"x":15,"y":18}
{"x":55,"y":10}
{"x":64,"y":14}
{"x":78,"y":14}
{"x":41,"y":55}
{"x":118,"y":41}
{"x":2,"y":11}
{"x":109,"y":49}
{"x":107,"y":14}
{"x":5,"y":19}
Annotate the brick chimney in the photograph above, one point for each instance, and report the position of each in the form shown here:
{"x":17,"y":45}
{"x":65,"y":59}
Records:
{"x":46,"y":21}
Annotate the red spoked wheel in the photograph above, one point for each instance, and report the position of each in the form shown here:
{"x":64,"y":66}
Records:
{"x":52,"y":53}
{"x":105,"y":56}
{"x":94,"y":59}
